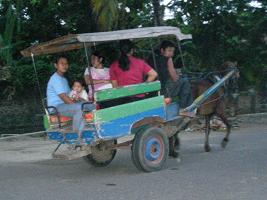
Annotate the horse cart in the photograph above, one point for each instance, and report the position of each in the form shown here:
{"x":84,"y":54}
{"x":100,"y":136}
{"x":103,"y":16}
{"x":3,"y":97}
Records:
{"x":144,"y":125}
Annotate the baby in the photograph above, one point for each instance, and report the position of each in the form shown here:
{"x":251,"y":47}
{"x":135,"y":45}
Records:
{"x":78,"y":92}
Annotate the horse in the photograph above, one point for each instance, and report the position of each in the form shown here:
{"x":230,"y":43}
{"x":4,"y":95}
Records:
{"x":215,"y":104}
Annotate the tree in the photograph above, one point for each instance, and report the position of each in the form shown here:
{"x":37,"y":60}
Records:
{"x":106,"y":13}
{"x":158,"y":12}
{"x":224,"y":30}
{"x":6,"y":36}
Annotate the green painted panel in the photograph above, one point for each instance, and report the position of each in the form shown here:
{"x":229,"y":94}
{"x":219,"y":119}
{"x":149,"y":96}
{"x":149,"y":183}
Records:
{"x":46,"y":122}
{"x":125,"y":91}
{"x":128,"y":109}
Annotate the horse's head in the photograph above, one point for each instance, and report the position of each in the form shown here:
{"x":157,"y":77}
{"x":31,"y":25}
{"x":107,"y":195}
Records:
{"x":227,"y":66}
{"x":222,"y":70}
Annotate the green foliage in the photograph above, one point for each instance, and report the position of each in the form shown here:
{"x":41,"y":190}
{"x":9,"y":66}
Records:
{"x":7,"y":35}
{"x":25,"y":81}
{"x":222,"y":30}
{"x":134,"y":14}
{"x":106,"y":13}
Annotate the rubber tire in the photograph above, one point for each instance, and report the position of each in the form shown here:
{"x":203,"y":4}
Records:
{"x":136,"y":162}
{"x":96,"y":159}
{"x":138,"y":154}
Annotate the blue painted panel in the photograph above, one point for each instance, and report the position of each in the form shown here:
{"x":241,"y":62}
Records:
{"x":88,"y":136}
{"x":55,"y":136}
{"x":172,"y":111}
{"x":113,"y":129}
{"x":71,"y":138}
{"x":120,"y":127}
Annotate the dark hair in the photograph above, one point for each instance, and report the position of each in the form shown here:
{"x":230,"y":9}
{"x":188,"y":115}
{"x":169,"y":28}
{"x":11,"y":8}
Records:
{"x":59,"y":57}
{"x":125,"y":47}
{"x":78,"y":81}
{"x":99,"y":55}
{"x":165,"y":44}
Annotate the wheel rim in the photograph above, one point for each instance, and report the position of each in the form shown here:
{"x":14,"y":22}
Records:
{"x":154,"y":149}
{"x":101,"y":153}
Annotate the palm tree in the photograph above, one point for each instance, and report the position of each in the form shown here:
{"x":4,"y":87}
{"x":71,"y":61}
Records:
{"x":7,"y":35}
{"x":6,"y":44}
{"x":106,"y":13}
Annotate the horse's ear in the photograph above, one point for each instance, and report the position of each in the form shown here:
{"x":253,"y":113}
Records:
{"x":228,"y":64}
{"x":235,"y":64}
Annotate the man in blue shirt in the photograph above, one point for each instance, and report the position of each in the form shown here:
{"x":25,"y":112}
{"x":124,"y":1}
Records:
{"x":57,"y":95}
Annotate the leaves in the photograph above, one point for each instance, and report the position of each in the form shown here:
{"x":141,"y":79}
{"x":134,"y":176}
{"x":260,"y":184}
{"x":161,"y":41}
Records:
{"x":221,"y":30}
{"x":7,"y":35}
{"x":224,"y":30}
{"x":106,"y":13}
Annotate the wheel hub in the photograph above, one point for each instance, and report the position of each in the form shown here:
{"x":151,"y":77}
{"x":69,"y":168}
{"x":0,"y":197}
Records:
{"x":152,"y":149}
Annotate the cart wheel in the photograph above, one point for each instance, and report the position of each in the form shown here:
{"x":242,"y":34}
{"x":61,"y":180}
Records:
{"x":101,"y":155}
{"x":150,"y":149}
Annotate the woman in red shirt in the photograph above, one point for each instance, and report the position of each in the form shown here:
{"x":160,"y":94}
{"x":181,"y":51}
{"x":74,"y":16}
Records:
{"x":129,"y":70}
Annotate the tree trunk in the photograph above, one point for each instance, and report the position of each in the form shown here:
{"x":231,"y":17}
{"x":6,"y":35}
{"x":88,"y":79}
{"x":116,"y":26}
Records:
{"x":157,"y":13}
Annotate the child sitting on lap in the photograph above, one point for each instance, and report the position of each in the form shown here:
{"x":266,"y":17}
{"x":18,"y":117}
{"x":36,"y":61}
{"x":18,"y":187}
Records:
{"x":78,"y":92}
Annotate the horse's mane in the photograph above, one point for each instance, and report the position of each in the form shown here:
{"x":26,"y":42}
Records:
{"x":226,"y":65}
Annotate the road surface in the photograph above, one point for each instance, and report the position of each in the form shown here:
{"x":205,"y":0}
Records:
{"x":238,"y":172}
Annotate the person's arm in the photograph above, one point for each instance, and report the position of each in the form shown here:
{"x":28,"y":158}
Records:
{"x":60,"y":89}
{"x":113,"y":76}
{"x":171,"y":70}
{"x":151,"y":75}
{"x":87,"y":80}
{"x":149,"y":72}
{"x":65,"y":98}
{"x":87,"y":77}
{"x":114,"y":83}
{"x":95,"y":81}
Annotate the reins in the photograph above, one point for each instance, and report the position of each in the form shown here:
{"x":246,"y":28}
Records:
{"x":214,"y":100}
{"x":204,"y":75}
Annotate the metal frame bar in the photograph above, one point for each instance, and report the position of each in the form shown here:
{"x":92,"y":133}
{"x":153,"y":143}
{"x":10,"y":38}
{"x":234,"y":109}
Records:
{"x":89,"y":70}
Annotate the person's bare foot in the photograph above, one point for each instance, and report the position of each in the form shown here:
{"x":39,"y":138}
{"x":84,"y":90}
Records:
{"x":191,"y":114}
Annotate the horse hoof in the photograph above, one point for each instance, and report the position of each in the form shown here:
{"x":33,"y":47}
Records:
{"x":174,"y":154}
{"x":177,"y":145}
{"x":207,"y":148}
{"x":224,"y":142}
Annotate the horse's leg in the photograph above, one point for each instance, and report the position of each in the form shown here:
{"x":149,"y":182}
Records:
{"x":228,"y":128}
{"x":177,"y":141}
{"x":174,"y":145}
{"x":207,"y":132}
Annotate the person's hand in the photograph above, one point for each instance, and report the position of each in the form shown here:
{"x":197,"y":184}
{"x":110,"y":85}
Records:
{"x":75,"y":98}
{"x":167,"y":100}
{"x":179,"y":72}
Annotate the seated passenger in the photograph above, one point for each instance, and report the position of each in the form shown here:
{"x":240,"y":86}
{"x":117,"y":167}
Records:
{"x":57,"y":96}
{"x":78,"y":92}
{"x":99,"y":73}
{"x":129,"y":70}
{"x":172,"y":84}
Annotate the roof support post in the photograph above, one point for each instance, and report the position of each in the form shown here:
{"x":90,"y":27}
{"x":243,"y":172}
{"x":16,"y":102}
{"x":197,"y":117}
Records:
{"x":89,"y":70}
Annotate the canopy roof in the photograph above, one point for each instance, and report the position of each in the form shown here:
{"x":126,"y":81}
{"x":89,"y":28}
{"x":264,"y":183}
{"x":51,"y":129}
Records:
{"x":76,"y":41}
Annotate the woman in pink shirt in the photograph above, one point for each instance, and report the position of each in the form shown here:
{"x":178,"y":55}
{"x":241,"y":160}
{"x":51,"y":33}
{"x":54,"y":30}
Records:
{"x":100,"y":74}
{"x":129,"y":70}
